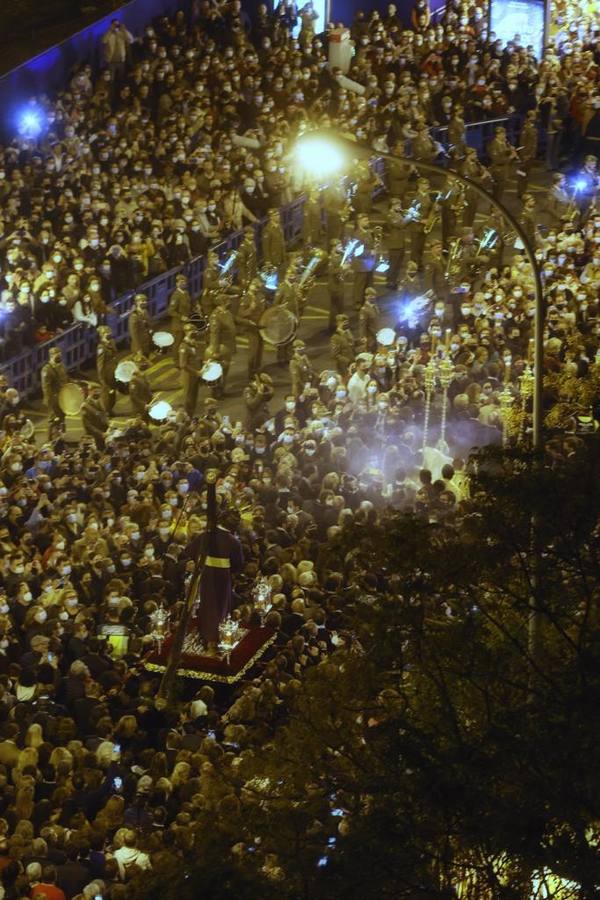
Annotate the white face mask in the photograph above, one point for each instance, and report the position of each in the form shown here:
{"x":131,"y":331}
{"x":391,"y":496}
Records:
{"x":27,"y":596}
{"x":41,"y":616}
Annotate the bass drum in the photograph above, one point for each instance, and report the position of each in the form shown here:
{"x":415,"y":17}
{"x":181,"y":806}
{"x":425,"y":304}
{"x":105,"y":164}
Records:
{"x":70,"y":398}
{"x":277,"y":325}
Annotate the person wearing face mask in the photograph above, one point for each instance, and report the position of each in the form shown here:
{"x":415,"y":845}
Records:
{"x":54,"y":377}
{"x":140,"y":328}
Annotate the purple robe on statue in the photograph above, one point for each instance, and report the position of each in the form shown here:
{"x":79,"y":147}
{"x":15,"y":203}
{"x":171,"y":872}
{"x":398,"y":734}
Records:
{"x":224,"y":558}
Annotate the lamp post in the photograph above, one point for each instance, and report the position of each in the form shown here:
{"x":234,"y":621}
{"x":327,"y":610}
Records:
{"x":527,"y":383}
{"x":325,"y":152}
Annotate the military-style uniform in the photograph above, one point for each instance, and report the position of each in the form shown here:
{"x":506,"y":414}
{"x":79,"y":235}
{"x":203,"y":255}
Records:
{"x":418,"y":235}
{"x":398,"y":176}
{"x":189,"y":358}
{"x":395,"y":238}
{"x":54,"y":377}
{"x":249,"y":314}
{"x":457,"y":135}
{"x":424,"y":148}
{"x":528,"y":220}
{"x":180,"y":308}
{"x":527,"y":155}
{"x":335,"y":284}
{"x":210,"y":284}
{"x":362,"y":265}
{"x":287,"y":295}
{"x":342,"y":348}
{"x":140,"y":393}
{"x":301,"y":372}
{"x":140,"y":332}
{"x":257,"y":399}
{"x":363,"y":196}
{"x":94,"y":419}
{"x":451,"y":208}
{"x":247,"y":265}
{"x":334,"y":202}
{"x":368,"y":325}
{"x":476,"y":171}
{"x":273,"y":245}
{"x":501,"y":155}
{"x":312,"y":226}
{"x":106,"y":363}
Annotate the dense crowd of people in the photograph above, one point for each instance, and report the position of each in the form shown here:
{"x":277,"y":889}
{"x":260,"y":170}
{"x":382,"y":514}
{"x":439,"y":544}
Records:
{"x":182,"y":138}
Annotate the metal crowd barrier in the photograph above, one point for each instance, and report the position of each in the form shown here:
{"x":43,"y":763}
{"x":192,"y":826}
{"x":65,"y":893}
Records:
{"x":78,"y":342}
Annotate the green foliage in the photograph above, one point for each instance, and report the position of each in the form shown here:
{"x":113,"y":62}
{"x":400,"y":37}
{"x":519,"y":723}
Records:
{"x":462,"y":757}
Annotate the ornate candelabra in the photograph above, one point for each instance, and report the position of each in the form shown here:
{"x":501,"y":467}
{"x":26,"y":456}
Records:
{"x":429,"y":380}
{"x":230,"y":634}
{"x":526,"y":382}
{"x":506,"y":402}
{"x":261,"y":595}
{"x":446,"y":376}
{"x":159,"y":620}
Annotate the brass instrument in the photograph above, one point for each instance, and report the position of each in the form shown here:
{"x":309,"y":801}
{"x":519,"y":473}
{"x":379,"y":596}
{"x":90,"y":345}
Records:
{"x":453,"y":263}
{"x":309,"y":270}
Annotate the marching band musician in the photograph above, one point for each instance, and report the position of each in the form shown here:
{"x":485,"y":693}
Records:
{"x":223,"y":339}
{"x":210,"y":282}
{"x":452,"y":206}
{"x":249,"y":314}
{"x":180,"y":309}
{"x":423,"y":204}
{"x":312,"y":225}
{"x":395,"y":239}
{"x":247,"y":264}
{"x":334,"y":204}
{"x":140,"y":329}
{"x":54,"y":377}
{"x":342,"y":344}
{"x":94,"y":417}
{"x":335,"y":284}
{"x":301,"y":371}
{"x":529,"y":149}
{"x":106,"y":363}
{"x":273,"y":243}
{"x":365,"y":186}
{"x":363,"y":264}
{"x":140,"y":393}
{"x":189,"y":358}
{"x":368,"y":322}
{"x":502,"y":155}
{"x":457,"y":137}
{"x":287,"y":295}
{"x":424,"y":148}
{"x":477,"y":172}
{"x":528,"y":220}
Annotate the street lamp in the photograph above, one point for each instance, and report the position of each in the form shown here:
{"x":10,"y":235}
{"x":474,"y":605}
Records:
{"x":324,"y":152}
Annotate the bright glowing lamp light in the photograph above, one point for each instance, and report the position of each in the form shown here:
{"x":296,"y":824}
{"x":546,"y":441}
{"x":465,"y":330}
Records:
{"x":580,"y":184}
{"x":31,"y":123}
{"x":318,"y":157}
{"x":386,"y":337}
